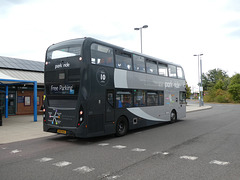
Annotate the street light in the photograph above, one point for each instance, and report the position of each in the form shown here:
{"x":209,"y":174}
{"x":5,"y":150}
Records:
{"x":200,"y":86}
{"x":145,"y":26}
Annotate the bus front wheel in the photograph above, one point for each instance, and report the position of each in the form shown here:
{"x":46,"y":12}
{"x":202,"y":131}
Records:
{"x":121,"y":126}
{"x":173,"y":116}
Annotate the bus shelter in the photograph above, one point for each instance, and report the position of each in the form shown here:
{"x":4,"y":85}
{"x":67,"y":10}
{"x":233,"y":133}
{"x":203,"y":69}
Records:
{"x":7,"y":81}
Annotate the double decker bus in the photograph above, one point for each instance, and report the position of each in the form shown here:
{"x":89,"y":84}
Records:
{"x":94,"y":88}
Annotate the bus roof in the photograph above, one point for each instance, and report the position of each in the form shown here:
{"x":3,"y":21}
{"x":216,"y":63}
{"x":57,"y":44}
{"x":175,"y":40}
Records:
{"x":130,"y":51}
{"x":90,"y":40}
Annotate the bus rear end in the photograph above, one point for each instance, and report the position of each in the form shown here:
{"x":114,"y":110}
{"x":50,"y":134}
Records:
{"x":64,"y":105}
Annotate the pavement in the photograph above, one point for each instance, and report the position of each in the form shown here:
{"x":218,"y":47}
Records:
{"x":22,"y":127}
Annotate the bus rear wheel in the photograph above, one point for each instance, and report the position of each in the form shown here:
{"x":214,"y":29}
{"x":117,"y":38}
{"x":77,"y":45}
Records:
{"x":121,"y":126}
{"x":173,"y":116}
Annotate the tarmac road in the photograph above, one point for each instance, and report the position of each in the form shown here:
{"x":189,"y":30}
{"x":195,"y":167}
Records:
{"x":204,"y":145}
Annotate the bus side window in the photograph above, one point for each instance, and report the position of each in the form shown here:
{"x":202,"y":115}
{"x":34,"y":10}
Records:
{"x":161,"y":98}
{"x":101,"y":55}
{"x":172,"y":70}
{"x":162,"y":70}
{"x":124,"y":61}
{"x":139,"y":63}
{"x":151,"y":67}
{"x":152,"y":98}
{"x":180,"y":73}
{"x":123,"y":99}
{"x":139,"y":98}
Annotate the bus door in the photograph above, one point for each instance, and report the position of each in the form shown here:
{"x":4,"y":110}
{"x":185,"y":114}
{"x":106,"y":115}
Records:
{"x":110,"y":106}
{"x":182,"y":101}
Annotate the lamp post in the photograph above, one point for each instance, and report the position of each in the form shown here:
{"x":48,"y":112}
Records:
{"x":200,"y":83}
{"x":140,"y":28}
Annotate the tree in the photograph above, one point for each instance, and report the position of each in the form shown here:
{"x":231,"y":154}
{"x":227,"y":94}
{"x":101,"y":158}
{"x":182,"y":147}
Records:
{"x":213,"y":77}
{"x":234,"y":87}
{"x":188,"y":91}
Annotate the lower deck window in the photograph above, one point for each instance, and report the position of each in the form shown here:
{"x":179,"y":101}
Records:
{"x":135,"y":98}
{"x":152,"y":98}
{"x":124,"y":99}
{"x":139,"y":98}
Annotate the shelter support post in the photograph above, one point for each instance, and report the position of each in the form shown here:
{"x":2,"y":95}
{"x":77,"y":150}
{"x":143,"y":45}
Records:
{"x":6,"y":102}
{"x":35,"y":101}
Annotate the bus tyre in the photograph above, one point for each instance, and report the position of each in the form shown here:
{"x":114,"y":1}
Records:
{"x":173,"y":116}
{"x":121,"y":126}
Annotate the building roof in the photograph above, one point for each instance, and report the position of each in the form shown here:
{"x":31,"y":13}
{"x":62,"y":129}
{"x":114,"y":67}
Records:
{"x":11,"y":74}
{"x":21,"y":64}
{"x":20,"y":70}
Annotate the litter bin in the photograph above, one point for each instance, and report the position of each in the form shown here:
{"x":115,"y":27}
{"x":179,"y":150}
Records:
{"x":0,"y":117}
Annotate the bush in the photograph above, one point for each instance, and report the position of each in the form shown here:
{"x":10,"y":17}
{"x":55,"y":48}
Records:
{"x":234,"y":90}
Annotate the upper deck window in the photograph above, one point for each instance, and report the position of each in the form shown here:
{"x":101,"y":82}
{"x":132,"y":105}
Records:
{"x":172,"y":71}
{"x":180,"y":73}
{"x":101,"y":55}
{"x":139,"y":63}
{"x":151,"y":67}
{"x":124,"y":61}
{"x":162,"y":70}
{"x":64,"y":52}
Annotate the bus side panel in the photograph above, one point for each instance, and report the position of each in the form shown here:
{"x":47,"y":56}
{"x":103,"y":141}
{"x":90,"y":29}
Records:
{"x":101,"y":80}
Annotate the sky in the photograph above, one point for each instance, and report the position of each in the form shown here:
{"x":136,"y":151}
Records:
{"x":177,"y":29}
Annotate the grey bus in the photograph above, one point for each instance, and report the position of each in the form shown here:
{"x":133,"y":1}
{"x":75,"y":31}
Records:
{"x":94,"y":88}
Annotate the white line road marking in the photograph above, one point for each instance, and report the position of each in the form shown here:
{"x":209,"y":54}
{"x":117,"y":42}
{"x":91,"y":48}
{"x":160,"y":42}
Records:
{"x":222,"y":163}
{"x":119,"y":147}
{"x":163,"y":153}
{"x":44,"y":159}
{"x":62,"y":164}
{"x":84,"y":169}
{"x":138,"y":150}
{"x":104,"y":175}
{"x":192,"y":158}
{"x":4,"y":148}
{"x":15,"y":151}
{"x":113,"y":177}
{"x":103,"y":144}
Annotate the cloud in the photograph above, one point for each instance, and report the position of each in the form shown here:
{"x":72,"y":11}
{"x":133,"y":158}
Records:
{"x":6,"y":5}
{"x":233,"y":5}
{"x":234,"y":28}
{"x":235,"y":33}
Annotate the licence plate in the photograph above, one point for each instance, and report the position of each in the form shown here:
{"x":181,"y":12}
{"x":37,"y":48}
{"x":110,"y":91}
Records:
{"x":60,"y":131}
